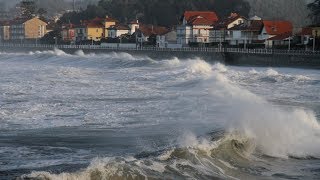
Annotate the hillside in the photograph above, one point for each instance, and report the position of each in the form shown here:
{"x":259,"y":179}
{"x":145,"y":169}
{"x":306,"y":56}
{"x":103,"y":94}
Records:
{"x":293,"y":10}
{"x":160,"y":12}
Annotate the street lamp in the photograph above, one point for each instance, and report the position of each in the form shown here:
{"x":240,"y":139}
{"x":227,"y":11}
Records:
{"x":314,"y":44}
{"x":91,"y":38}
{"x":289,"y":47}
{"x":55,"y":41}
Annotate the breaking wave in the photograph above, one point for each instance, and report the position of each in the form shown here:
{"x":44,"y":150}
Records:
{"x":273,"y":76}
{"x":254,"y":128}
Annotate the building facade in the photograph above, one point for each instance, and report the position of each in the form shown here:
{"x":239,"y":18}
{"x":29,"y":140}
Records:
{"x":68,"y":33}
{"x":4,"y":31}
{"x":195,"y":27}
{"x":118,"y":30}
{"x":220,"y":33}
{"x":27,"y":29}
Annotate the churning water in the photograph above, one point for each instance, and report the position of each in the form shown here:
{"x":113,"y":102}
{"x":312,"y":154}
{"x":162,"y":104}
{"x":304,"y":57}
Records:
{"x":118,"y":116}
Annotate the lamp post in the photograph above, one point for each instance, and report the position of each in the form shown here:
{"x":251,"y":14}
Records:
{"x":289,"y":47}
{"x":55,"y":41}
{"x":314,"y":44}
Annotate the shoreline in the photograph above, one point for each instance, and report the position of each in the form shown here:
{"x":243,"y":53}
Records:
{"x":228,"y":56}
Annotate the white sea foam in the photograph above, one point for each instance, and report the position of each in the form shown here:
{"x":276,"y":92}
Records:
{"x":276,"y":132}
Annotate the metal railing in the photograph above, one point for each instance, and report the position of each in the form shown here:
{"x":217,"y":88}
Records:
{"x":183,"y":49}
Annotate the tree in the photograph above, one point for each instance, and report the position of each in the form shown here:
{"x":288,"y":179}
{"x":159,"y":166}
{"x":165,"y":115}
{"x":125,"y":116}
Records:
{"x":315,"y":11}
{"x":158,"y":12}
{"x":28,"y":8}
{"x":42,"y":12}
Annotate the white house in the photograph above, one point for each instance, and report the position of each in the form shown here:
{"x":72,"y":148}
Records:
{"x":118,"y":30}
{"x":145,"y":32}
{"x":168,"y":40}
{"x":195,"y":26}
{"x":245,"y":33}
{"x":274,"y":32}
{"x":221,"y":33}
{"x":133,"y":25}
{"x":275,"y":28}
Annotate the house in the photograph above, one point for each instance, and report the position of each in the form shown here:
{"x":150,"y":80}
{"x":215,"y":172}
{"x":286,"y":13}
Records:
{"x":148,"y":33}
{"x":133,"y":25}
{"x":95,"y":29}
{"x":108,"y":22}
{"x":275,"y":28}
{"x":4,"y":31}
{"x":168,"y":40}
{"x":194,"y":27}
{"x":245,"y":33}
{"x":283,"y":40}
{"x":315,"y":31}
{"x":305,"y":36}
{"x":81,"y":32}
{"x":68,"y":33}
{"x":276,"y":33}
{"x":118,"y":30}
{"x":21,"y":29}
{"x":219,"y":33}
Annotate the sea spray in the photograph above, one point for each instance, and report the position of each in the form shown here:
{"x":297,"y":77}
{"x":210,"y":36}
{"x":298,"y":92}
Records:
{"x":127,"y":112}
{"x":277,"y":132}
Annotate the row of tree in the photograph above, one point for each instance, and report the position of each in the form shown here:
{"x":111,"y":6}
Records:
{"x":159,"y":12}
{"x":315,"y":11}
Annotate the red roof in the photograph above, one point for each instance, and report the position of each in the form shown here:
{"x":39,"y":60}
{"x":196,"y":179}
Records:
{"x":200,"y":21}
{"x":306,"y":31}
{"x":108,"y":19}
{"x":95,"y":23}
{"x":278,"y":27}
{"x":149,"y":30}
{"x":223,"y":24}
{"x":201,"y":17}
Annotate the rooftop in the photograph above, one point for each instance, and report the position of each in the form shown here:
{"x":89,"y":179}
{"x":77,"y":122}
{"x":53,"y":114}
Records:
{"x":278,"y":27}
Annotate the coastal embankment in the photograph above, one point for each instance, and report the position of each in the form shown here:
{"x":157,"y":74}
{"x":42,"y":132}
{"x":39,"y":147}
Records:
{"x":229,"y":56}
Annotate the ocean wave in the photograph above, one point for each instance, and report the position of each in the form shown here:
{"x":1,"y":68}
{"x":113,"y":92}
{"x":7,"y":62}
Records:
{"x":277,"y":132}
{"x":274,"y":76}
{"x":200,"y":159}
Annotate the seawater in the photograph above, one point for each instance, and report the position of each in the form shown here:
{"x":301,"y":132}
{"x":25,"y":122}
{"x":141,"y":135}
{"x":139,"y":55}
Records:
{"x":119,"y":116}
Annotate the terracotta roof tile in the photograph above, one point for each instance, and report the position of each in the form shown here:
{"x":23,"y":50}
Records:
{"x":201,"y":17}
{"x":149,"y":30}
{"x":254,"y":25}
{"x":277,"y":27}
{"x":222,"y":24}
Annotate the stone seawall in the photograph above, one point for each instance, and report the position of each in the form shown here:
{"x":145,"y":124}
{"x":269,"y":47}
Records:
{"x":272,"y":60}
{"x":234,"y":58}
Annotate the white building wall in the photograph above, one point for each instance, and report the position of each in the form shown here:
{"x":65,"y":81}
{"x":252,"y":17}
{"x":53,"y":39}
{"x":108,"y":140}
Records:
{"x":121,"y":32}
{"x":236,"y":22}
{"x":264,"y":35}
{"x":184,"y":34}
